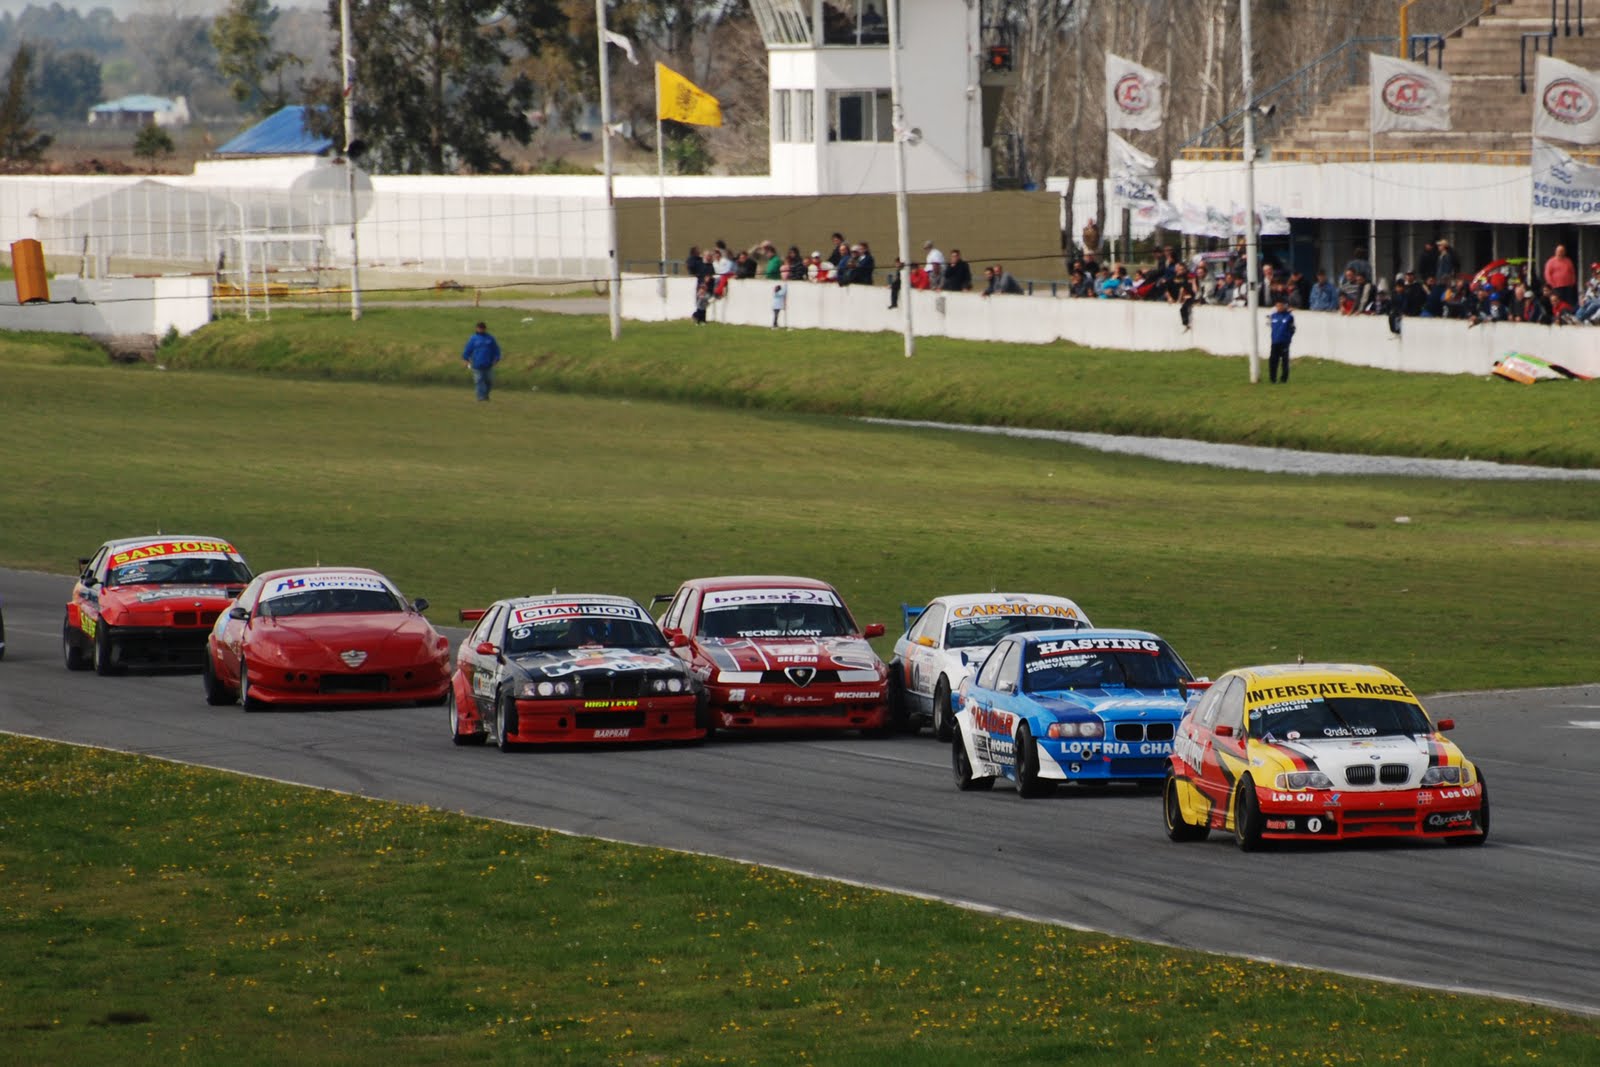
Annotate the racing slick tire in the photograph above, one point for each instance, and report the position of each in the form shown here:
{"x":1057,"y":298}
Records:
{"x":1247,"y":818}
{"x":217,"y":694}
{"x":105,"y":651}
{"x":71,"y":654}
{"x":1029,"y":784}
{"x":966,"y":781}
{"x":505,"y":721}
{"x":1178,"y":828}
{"x":246,"y":701}
{"x":899,"y":710}
{"x":943,"y":719}
{"x":1483,"y":820}
{"x":455,"y":723}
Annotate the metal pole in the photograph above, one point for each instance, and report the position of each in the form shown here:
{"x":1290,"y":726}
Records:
{"x":615,"y":267}
{"x":1251,"y":255}
{"x":900,"y":211}
{"x":349,"y":72}
{"x":661,"y":182}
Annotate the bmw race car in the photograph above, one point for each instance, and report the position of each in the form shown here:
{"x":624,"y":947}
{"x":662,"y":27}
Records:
{"x":325,"y":635}
{"x":1090,"y":706}
{"x":778,"y":653}
{"x":945,"y":641}
{"x":149,"y":601}
{"x":570,"y":668}
{"x":1319,"y":752}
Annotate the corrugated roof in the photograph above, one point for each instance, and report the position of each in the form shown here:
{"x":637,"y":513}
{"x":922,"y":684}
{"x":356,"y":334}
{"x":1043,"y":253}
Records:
{"x":137,"y":102}
{"x":283,"y":133}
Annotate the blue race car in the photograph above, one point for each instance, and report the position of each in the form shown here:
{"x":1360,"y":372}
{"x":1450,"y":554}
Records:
{"x":1070,"y":706}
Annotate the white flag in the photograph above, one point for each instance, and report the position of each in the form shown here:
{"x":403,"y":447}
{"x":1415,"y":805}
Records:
{"x":1133,"y":175}
{"x":1567,"y":105}
{"x":1408,"y":96}
{"x":1134,"y":95}
{"x":1564,"y":190}
{"x":1272,"y":221}
{"x":1191,"y":219}
{"x":1219,"y":223}
{"x":623,"y":43}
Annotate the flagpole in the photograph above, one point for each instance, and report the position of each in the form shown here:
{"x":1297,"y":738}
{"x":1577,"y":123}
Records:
{"x":615,"y":267}
{"x":901,"y":214}
{"x":661,"y":185}
{"x":347,"y":62}
{"x":1251,"y":254}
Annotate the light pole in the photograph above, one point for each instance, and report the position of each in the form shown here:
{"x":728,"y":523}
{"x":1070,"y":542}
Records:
{"x":615,"y":267}
{"x":349,"y":72}
{"x":1251,"y":255}
{"x":901,"y":133}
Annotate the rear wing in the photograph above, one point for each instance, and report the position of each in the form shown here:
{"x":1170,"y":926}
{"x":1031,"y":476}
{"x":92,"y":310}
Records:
{"x":472,"y":614}
{"x":911,"y":613}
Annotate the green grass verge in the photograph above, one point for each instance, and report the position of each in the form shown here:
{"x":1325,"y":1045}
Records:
{"x":1330,"y":406}
{"x":162,"y":913}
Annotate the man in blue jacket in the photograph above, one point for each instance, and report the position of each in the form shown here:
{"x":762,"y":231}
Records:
{"x":481,"y":354}
{"x":1282,"y":323}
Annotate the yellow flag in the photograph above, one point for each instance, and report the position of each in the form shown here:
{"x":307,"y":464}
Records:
{"x":681,"y":100}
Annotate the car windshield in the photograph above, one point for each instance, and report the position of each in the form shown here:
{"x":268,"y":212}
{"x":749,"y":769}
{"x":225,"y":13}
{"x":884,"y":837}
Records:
{"x":1337,"y":717}
{"x":1100,"y":663}
{"x":775,"y":620}
{"x":330,"y":602}
{"x":196,"y":570}
{"x":584,"y":631}
{"x":988,"y":630}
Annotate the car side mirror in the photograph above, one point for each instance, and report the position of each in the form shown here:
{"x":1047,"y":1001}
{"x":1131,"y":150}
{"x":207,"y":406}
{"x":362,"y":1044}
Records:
{"x":1194,"y":685}
{"x":1444,"y":724}
{"x":1224,"y":730}
{"x":238,"y":613}
{"x":419,"y":605}
{"x":83,"y":564}
{"x":678,"y":639}
{"x":1006,"y":687}
{"x":487,"y":648}
{"x":874,"y":629}
{"x":925,"y":641}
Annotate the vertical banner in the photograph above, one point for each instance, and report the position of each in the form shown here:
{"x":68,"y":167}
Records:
{"x":1408,"y":96}
{"x":1564,"y":190}
{"x":1134,"y":95}
{"x":1134,"y":182}
{"x":1567,"y":103}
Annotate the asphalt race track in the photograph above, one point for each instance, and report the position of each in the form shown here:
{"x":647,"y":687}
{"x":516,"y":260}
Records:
{"x":1517,"y":918}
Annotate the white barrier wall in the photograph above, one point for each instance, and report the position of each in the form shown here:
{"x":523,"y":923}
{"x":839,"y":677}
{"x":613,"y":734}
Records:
{"x":1433,"y":346}
{"x":113,"y":307}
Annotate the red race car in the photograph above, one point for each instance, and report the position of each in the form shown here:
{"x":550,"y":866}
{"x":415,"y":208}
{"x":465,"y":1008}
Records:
{"x":325,"y":635}
{"x":778,"y":653}
{"x":149,"y":601}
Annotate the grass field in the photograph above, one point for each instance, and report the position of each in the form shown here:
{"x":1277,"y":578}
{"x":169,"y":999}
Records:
{"x":156,"y":912}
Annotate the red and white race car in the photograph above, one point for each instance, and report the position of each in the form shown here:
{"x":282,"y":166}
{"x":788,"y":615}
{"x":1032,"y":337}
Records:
{"x":325,"y":635}
{"x":149,"y":601}
{"x":777,"y":652}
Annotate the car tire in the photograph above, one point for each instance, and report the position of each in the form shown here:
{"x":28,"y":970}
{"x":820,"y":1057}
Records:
{"x":961,"y":764}
{"x":899,"y":707}
{"x":1178,"y":828}
{"x":1482,"y":835}
{"x":944,"y":719}
{"x":704,"y":719}
{"x":1247,"y":817}
{"x":71,"y":653}
{"x":1029,"y":784}
{"x":505,"y":721}
{"x":105,"y":651}
{"x":217,"y":694}
{"x":455,"y":722}
{"x":246,"y":701}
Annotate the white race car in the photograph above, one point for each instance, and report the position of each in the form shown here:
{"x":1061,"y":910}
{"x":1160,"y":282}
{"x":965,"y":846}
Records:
{"x":947,"y":640}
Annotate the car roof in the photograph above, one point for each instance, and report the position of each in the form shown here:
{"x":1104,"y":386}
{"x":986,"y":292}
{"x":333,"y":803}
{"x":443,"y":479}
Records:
{"x":118,"y":542}
{"x":569,"y":598}
{"x":961,"y":600}
{"x":1279,"y":672}
{"x":1088,"y":633}
{"x":758,"y":581}
{"x":286,"y":572}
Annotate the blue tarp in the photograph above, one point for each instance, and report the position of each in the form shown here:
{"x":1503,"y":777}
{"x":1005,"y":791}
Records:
{"x":282,"y":133}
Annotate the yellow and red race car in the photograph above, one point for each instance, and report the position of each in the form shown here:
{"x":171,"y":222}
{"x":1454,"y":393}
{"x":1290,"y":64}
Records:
{"x":149,"y":601}
{"x":1318,"y":752}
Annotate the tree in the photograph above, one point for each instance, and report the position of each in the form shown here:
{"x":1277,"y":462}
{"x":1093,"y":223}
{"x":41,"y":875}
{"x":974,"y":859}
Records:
{"x":153,"y":141}
{"x":68,"y":84}
{"x":242,"y":36}
{"x":19,"y":141}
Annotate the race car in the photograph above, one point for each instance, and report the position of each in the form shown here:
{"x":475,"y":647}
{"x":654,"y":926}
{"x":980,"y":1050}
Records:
{"x":778,"y":653}
{"x":945,"y":641}
{"x":149,"y":601}
{"x":582,"y":667}
{"x":1319,"y":752}
{"x":1090,"y":706}
{"x":325,"y":635}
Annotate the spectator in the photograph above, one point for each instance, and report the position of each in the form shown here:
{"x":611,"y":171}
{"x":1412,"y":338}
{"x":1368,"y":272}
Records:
{"x":1448,"y":266}
{"x":480,"y":354}
{"x":844,"y":271}
{"x":1324,"y":296}
{"x":933,"y":259}
{"x":918,"y":277}
{"x":771,"y":262}
{"x":694,"y":265}
{"x":1001,"y":281}
{"x":1281,"y":323}
{"x":1428,"y":261}
{"x":1355,"y":293}
{"x":744,"y":264}
{"x":1589,"y":306}
{"x":1299,"y":291}
{"x":1413,"y":297}
{"x":957,"y":274}
{"x":865,"y":264}
{"x":821,"y":269}
{"x":723,"y":266}
{"x":780,"y":299}
{"x":1081,"y":284}
{"x":1180,"y":290}
{"x":894,"y":282}
{"x":1360,"y":264}
{"x":1433,"y":299}
{"x":1561,"y":275}
{"x":794,"y":267}
{"x":702,"y":300}
{"x":1110,"y":286}
{"x":840,"y":253}
{"x":1205,"y":285}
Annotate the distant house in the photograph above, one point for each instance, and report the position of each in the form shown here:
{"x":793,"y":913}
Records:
{"x":285,"y":132}
{"x":140,"y":110}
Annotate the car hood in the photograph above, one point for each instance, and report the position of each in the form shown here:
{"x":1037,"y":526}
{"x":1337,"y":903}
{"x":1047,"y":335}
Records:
{"x":611,"y":660}
{"x":777,"y":653}
{"x":381,"y":635}
{"x":1333,"y":755}
{"x":1114,"y":705}
{"x":145,"y":599}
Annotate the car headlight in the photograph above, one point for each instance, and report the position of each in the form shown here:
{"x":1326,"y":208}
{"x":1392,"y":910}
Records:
{"x":547,"y":688}
{"x":1444,"y":776}
{"x":1093,"y":728}
{"x":674,"y":684}
{"x":1304,"y":780}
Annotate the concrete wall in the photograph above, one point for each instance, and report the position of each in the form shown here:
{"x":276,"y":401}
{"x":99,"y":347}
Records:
{"x":113,"y":307}
{"x":1432,"y":346}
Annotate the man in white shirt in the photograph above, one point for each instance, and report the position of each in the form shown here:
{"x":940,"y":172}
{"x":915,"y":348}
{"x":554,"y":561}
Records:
{"x":933,"y":261}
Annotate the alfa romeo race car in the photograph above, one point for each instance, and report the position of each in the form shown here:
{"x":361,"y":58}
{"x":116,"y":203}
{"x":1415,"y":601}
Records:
{"x":1319,"y":752}
{"x":149,"y":601}
{"x":778,"y":652}
{"x":325,"y":635}
{"x":945,"y":641}
{"x":579,"y":667}
{"x":1090,"y":706}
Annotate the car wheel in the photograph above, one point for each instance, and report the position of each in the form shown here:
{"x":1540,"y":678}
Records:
{"x":246,"y":701}
{"x":455,"y":722}
{"x":1247,"y":817}
{"x":71,"y":653}
{"x":962,"y":765}
{"x":105,"y":651}
{"x":1483,"y":821}
{"x":505,"y":721}
{"x":1029,"y":784}
{"x":217,"y":694}
{"x":1178,"y":828}
{"x":943,"y":720}
{"x":899,"y":709}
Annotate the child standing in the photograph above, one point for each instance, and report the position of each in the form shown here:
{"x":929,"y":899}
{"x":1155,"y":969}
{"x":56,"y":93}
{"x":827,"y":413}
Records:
{"x":780,"y":296}
{"x":702,"y":298}
{"x":1282,"y":323}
